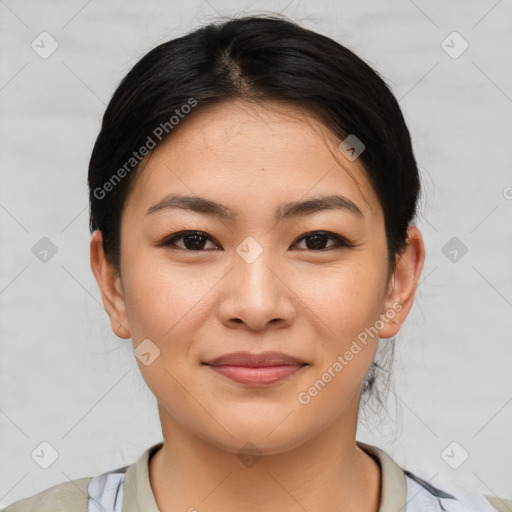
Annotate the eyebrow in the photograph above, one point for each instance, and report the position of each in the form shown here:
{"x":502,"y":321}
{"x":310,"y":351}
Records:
{"x":281,"y":212}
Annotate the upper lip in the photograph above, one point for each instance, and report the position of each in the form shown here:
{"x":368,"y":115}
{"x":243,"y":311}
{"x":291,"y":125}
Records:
{"x":255,"y":360}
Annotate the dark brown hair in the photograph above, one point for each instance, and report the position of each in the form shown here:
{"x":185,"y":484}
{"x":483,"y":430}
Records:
{"x":254,"y":58}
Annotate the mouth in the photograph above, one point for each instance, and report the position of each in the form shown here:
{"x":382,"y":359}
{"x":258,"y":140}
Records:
{"x":256,"y":369}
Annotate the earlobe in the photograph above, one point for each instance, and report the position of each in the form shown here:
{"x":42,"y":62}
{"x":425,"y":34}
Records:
{"x":110,"y":286}
{"x":403,"y":283}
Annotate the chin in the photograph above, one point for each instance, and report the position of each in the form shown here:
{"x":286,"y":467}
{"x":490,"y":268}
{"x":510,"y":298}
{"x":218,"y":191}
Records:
{"x":262,"y":438}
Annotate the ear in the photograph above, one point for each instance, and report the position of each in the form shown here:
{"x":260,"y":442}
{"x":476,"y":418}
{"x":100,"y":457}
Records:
{"x":403,"y":283}
{"x":110,"y":286}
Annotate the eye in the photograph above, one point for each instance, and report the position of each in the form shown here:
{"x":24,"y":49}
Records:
{"x":192,"y":240}
{"x":196,"y":241}
{"x":316,"y":241}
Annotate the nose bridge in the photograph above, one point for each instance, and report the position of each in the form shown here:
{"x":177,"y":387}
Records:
{"x":252,"y":269}
{"x":256,"y":294}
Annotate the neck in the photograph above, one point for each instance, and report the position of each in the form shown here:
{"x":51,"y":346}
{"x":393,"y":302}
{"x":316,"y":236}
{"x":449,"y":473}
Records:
{"x":328,"y":472}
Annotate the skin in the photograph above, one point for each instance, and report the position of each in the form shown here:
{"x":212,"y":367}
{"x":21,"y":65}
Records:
{"x":294,"y":298}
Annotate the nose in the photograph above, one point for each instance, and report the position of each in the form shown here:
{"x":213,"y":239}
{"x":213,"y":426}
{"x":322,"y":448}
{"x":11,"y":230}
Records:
{"x":257,"y":295}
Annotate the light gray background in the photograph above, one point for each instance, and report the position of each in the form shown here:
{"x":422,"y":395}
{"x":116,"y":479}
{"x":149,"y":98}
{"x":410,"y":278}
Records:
{"x":65,"y":378}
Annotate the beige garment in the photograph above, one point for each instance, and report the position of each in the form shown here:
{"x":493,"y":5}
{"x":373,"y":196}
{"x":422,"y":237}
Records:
{"x":138,"y":495}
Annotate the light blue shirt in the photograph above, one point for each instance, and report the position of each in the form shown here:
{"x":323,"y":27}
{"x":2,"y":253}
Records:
{"x":106,"y":490}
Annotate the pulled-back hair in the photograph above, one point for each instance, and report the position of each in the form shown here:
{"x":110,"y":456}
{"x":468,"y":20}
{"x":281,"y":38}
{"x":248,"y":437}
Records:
{"x":257,"y":59}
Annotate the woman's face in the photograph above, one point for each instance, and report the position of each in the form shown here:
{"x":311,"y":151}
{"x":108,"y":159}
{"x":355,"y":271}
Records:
{"x":262,"y":275}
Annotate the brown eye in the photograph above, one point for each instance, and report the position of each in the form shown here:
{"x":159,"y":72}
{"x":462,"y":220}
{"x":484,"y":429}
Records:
{"x":192,"y":241}
{"x":196,"y":241}
{"x":318,"y":240}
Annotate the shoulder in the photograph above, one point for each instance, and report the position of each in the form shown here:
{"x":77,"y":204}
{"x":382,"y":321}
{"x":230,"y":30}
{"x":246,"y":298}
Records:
{"x":68,"y":496}
{"x":402,"y":490}
{"x":449,"y":496}
{"x":100,"y":493}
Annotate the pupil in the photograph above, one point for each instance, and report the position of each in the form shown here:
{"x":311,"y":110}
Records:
{"x":317,"y":241}
{"x":195,"y":241}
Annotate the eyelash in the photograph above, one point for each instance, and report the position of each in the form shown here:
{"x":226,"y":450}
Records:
{"x":341,"y":243}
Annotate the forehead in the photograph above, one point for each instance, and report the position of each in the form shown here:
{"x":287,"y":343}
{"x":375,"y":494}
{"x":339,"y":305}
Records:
{"x":244,"y":153}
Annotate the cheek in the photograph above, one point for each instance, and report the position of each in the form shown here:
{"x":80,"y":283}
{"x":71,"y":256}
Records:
{"x":160,"y":299}
{"x":346,"y":298}
{"x":347,"y":302}
{"x":163,"y":305}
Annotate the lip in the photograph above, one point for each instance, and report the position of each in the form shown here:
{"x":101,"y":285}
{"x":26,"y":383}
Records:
{"x":255,"y":360}
{"x":256,"y":369}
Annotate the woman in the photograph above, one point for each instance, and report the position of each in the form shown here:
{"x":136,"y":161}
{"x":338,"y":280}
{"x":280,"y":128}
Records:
{"x":252,"y":191}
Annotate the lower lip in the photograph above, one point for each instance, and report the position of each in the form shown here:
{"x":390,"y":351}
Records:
{"x":257,"y":376}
